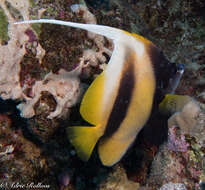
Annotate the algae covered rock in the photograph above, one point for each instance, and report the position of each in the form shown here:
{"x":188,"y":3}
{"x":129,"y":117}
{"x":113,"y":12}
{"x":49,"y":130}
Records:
{"x":117,"y":180}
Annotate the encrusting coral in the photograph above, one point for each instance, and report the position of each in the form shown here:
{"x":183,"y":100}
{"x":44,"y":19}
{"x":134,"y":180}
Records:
{"x":65,"y":88}
{"x":191,"y":121}
{"x":12,"y":53}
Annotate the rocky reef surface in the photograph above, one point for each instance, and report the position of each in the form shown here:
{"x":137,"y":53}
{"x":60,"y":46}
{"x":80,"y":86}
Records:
{"x":35,"y":60}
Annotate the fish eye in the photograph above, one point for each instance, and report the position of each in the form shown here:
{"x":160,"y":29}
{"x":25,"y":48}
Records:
{"x":180,"y":67}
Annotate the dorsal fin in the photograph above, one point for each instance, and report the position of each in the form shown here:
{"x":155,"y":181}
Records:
{"x":107,"y":31}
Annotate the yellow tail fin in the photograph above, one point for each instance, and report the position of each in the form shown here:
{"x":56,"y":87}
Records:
{"x":84,"y":139}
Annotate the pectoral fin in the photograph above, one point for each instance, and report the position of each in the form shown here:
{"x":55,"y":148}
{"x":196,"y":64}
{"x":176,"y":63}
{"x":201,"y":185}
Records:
{"x":173,"y":103}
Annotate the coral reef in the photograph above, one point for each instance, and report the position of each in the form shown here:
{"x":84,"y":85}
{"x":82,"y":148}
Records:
{"x":63,"y":86}
{"x":11,"y":55}
{"x":36,"y":59}
{"x":181,"y":159}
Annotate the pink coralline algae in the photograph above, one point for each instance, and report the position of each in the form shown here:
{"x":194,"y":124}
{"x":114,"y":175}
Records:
{"x":31,"y":35}
{"x":176,"y":143}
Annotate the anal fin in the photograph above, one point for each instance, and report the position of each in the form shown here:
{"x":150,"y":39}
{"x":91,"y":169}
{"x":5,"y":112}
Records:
{"x":84,"y":139}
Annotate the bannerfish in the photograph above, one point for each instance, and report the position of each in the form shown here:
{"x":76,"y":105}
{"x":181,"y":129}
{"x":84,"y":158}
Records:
{"x":119,"y":101}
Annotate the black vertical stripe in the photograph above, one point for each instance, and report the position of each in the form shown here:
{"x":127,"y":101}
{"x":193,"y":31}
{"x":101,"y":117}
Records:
{"x":163,"y":69}
{"x":123,"y":98}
